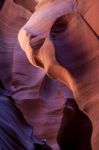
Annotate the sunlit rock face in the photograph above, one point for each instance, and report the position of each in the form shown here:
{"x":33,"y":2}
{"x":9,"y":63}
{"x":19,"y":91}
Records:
{"x":39,"y":98}
{"x":76,"y":49}
{"x":74,"y":39}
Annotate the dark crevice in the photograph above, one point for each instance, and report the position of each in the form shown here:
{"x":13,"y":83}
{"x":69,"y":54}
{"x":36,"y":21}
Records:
{"x":1,"y":3}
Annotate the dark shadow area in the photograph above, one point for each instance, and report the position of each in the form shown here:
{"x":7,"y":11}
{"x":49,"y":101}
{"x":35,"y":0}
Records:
{"x":76,"y":135}
{"x":1,"y":3}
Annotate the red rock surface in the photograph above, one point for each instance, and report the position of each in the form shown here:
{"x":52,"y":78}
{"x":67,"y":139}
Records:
{"x":74,"y":44}
{"x":76,"y":49}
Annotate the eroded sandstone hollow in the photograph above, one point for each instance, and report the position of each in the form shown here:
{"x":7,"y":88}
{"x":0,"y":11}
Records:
{"x":49,"y":52}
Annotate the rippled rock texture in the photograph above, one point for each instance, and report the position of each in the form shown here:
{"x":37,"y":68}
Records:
{"x":61,"y":39}
{"x":74,"y":52}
